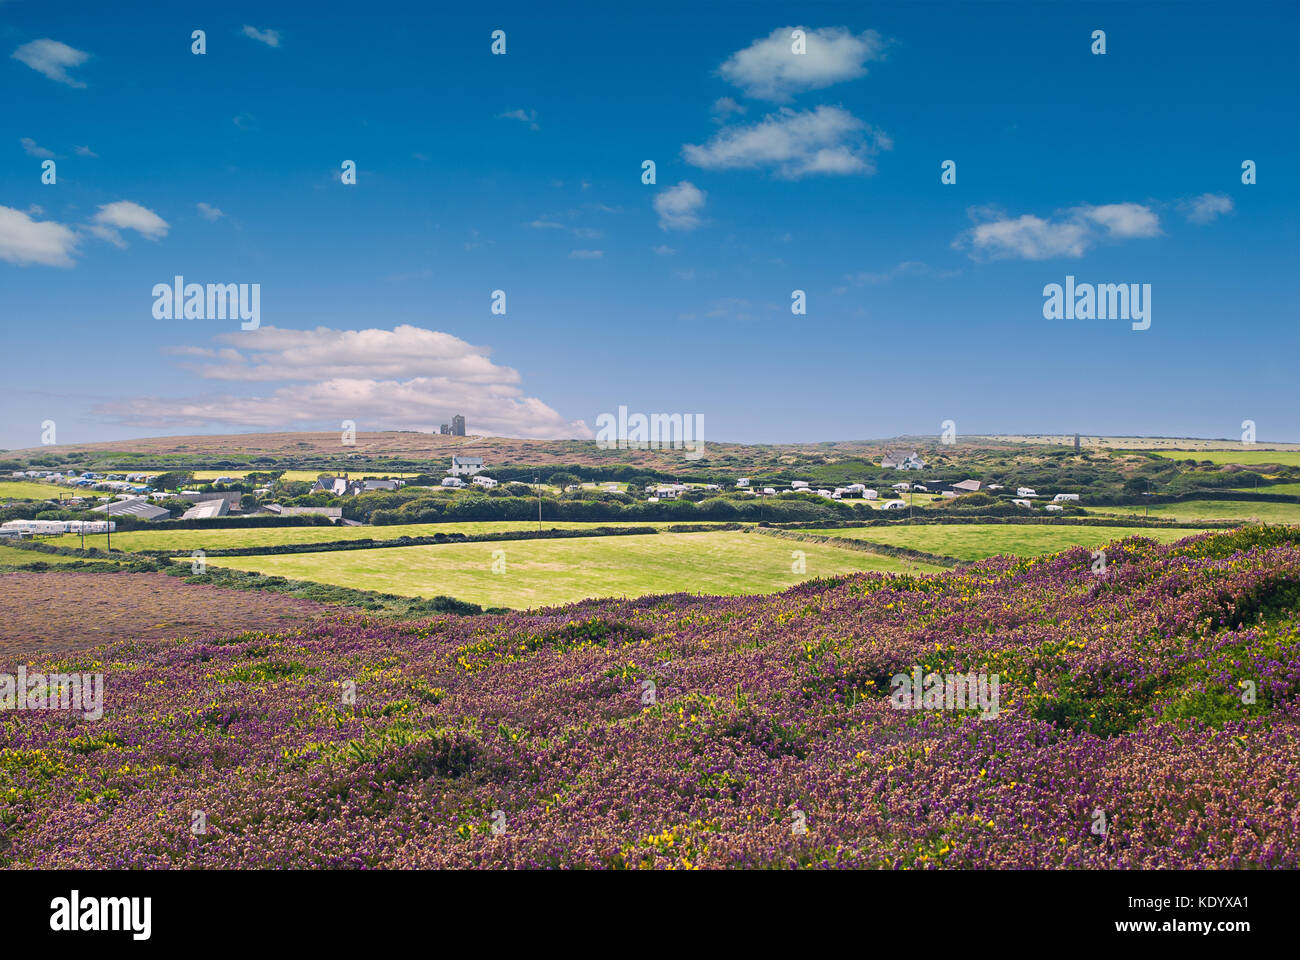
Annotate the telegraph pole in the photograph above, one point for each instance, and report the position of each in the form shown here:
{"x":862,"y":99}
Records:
{"x":538,"y":485}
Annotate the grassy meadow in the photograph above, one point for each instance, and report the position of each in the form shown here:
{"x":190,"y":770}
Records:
{"x":1195,"y":510}
{"x":547,"y":572}
{"x":231,"y":537}
{"x":1243,"y":456}
{"x":975,"y":541}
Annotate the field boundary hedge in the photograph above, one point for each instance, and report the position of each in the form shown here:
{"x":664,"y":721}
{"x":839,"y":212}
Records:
{"x":1088,"y":521}
{"x":866,"y":546}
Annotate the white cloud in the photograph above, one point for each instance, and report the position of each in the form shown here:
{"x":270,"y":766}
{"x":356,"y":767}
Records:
{"x":1207,"y":207}
{"x":996,"y":236}
{"x":664,"y":250}
{"x":34,"y":149}
{"x":679,"y":207}
{"x":209,"y":212}
{"x":1123,"y":220}
{"x":85,"y":152}
{"x":269,"y":37}
{"x":405,"y":378}
{"x":768,"y":69}
{"x":24,"y":240}
{"x":524,"y":116}
{"x":52,"y":59}
{"x":724,"y":108}
{"x":794,"y":144}
{"x":125,"y":215}
{"x":586,"y":254}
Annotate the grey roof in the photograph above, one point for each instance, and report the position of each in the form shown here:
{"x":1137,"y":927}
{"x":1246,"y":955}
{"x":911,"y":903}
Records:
{"x":206,"y":509}
{"x":134,"y":507}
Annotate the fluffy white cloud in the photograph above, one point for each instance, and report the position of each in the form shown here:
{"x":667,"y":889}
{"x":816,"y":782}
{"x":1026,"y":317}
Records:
{"x":407,"y":378}
{"x":769,"y":69}
{"x":679,"y":207}
{"x":795,"y":144}
{"x":269,"y":37}
{"x":125,"y":215}
{"x":53,"y":59}
{"x":1072,"y":233}
{"x":24,"y":240}
{"x":1123,"y":220}
{"x":1207,"y":207}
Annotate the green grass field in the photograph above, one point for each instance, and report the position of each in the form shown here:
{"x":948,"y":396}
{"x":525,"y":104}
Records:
{"x":975,"y":541}
{"x":547,"y":572}
{"x":1243,"y":456}
{"x":1196,"y":510}
{"x":31,"y":490}
{"x":230,"y":537}
{"x":14,"y":555}
{"x":1290,"y":489}
{"x":207,"y":476}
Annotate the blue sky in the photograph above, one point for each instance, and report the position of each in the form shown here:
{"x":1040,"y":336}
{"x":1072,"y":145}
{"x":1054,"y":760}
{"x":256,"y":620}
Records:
{"x":522,"y":173}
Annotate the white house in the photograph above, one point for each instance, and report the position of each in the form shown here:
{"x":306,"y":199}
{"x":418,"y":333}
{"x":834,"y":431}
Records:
{"x":453,"y":482}
{"x":902,"y":461}
{"x":1025,"y":492}
{"x":465,"y":466}
{"x":1062,"y":497}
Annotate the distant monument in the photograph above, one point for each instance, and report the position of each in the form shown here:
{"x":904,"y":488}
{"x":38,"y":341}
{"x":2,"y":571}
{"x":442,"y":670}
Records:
{"x":1076,"y":443}
{"x":458,"y":426}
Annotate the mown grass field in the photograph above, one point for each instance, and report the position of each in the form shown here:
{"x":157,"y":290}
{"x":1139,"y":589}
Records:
{"x":975,"y":541}
{"x":547,"y":572}
{"x":230,"y":537}
{"x":31,"y":490}
{"x":1243,"y":456}
{"x":1290,"y":489}
{"x":1194,"y":510}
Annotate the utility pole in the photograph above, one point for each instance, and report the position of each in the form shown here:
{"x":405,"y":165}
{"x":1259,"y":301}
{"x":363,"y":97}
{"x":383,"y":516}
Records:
{"x":538,"y":485}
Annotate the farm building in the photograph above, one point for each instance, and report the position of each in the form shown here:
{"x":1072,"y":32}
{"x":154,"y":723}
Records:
{"x":138,"y":507}
{"x":466,"y":466}
{"x":334,"y":513}
{"x":207,"y":510}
